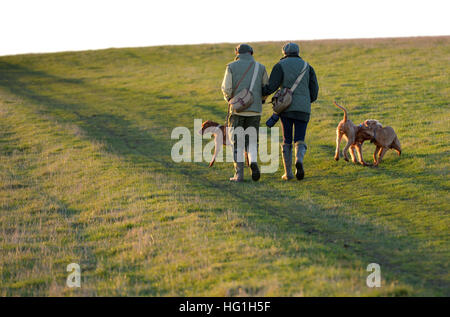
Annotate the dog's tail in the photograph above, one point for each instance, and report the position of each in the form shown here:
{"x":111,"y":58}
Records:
{"x":218,"y":144}
{"x":345,"y":111}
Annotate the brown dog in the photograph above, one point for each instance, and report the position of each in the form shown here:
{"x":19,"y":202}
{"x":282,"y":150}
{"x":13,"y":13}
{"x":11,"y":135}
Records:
{"x":355,"y":135}
{"x":384,"y":138}
{"x":221,"y":138}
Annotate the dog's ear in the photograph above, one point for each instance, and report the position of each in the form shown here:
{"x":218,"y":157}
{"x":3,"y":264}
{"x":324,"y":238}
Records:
{"x":372,"y":123}
{"x":208,"y":124}
{"x":205,"y":124}
{"x":366,"y":131}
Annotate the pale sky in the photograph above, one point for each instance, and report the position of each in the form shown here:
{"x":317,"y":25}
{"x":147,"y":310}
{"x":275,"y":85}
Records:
{"x":32,"y":26}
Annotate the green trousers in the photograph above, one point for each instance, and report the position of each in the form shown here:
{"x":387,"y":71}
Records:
{"x":236,"y":121}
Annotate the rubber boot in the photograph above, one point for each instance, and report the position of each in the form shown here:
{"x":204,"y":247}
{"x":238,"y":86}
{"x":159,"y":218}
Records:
{"x":300,"y":150}
{"x":239,"y":172}
{"x":251,"y":158}
{"x":256,"y":174}
{"x":287,"y":161}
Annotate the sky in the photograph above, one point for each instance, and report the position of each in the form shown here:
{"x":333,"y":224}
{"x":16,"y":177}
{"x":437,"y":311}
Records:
{"x":35,"y":26}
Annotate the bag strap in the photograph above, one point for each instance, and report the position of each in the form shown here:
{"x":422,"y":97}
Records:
{"x":255,"y":72}
{"x":235,"y":88}
{"x":240,"y":80}
{"x":300,"y":77}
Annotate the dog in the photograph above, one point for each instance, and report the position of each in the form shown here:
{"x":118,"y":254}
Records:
{"x":221,"y":138}
{"x":355,"y":135}
{"x":384,"y":139}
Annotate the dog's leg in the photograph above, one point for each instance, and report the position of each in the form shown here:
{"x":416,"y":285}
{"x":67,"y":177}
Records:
{"x":350,"y":141}
{"x":360,"y":156}
{"x":345,"y":151}
{"x":338,"y":143}
{"x":218,"y":144}
{"x":381,"y":154}
{"x":246,"y":158}
{"x":350,"y":136}
{"x":352,"y":153}
{"x":380,"y":150}
{"x":375,"y":159}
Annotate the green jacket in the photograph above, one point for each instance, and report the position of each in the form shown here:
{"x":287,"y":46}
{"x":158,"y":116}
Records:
{"x":237,"y":70}
{"x":284,"y":74}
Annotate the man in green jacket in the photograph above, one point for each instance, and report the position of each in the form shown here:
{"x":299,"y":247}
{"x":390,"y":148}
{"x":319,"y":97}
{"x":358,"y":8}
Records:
{"x":283,"y":75}
{"x":241,"y":71}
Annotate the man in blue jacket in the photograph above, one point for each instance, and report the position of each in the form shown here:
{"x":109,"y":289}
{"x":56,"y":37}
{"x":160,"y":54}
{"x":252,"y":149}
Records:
{"x":294,"y":119}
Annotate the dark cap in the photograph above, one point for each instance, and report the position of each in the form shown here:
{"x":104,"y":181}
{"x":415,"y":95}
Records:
{"x":290,"y":49}
{"x":243,"y":48}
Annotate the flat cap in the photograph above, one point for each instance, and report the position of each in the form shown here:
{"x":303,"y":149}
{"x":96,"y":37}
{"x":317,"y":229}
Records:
{"x":243,"y":48}
{"x":290,"y":49}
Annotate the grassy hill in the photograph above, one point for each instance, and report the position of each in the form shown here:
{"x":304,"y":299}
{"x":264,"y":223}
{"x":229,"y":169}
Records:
{"x":86,"y":177}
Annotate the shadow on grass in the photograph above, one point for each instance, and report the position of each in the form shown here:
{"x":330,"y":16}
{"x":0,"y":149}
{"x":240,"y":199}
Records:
{"x":39,"y":241}
{"x":270,"y":210}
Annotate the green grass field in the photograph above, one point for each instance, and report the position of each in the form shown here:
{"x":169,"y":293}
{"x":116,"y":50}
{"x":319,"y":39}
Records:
{"x":86,"y":176}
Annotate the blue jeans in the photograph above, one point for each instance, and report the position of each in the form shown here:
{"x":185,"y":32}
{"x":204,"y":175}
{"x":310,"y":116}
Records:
{"x":293,"y":128}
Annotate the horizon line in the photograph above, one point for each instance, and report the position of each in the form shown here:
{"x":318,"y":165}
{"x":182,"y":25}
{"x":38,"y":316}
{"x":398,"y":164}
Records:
{"x":226,"y":42}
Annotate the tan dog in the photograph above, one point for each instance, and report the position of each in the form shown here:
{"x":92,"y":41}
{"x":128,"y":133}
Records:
{"x":384,"y":139}
{"x":221,"y":138}
{"x":355,"y":135}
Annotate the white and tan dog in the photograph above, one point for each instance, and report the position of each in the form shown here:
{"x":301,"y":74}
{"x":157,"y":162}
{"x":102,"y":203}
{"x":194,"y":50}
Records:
{"x":221,"y":138}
